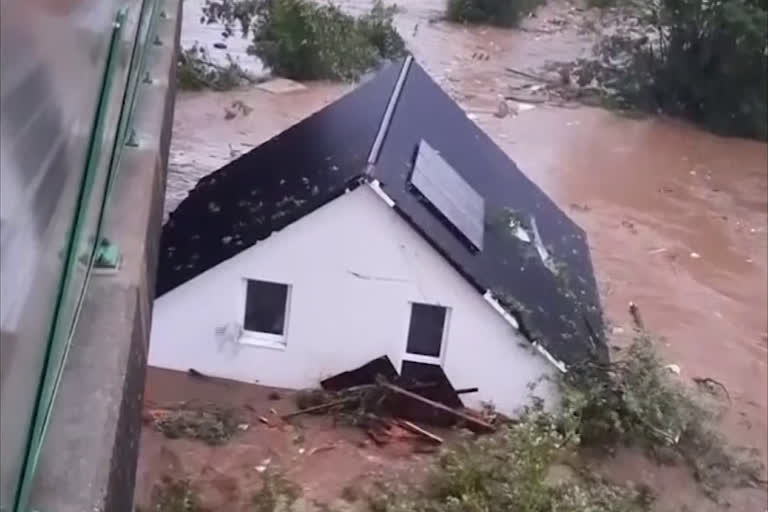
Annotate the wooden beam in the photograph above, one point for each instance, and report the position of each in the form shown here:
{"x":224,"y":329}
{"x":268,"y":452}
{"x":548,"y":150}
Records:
{"x":477,"y":423}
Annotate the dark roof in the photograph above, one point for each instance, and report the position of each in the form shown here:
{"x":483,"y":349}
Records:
{"x":555,"y":300}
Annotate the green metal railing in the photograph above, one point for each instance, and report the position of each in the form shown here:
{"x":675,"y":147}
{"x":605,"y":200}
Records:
{"x":87,"y":245}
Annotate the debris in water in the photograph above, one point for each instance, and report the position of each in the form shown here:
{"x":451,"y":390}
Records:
{"x":242,"y":107}
{"x":263,"y":466}
{"x":634,"y":312}
{"x":523,"y":107}
{"x":673,"y":368}
{"x":323,"y":448}
{"x":502,"y":109}
{"x":580,"y":207}
{"x":711,"y":385}
{"x":695,"y":255}
{"x":281,"y":86}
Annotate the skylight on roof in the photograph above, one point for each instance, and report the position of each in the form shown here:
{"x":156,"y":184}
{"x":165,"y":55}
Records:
{"x":447,"y":191}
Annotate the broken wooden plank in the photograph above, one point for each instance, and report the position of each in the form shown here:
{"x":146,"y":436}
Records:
{"x":478,"y":424}
{"x":464,"y":391}
{"x":318,"y":408}
{"x":418,"y":430}
{"x":363,"y":375}
{"x":194,"y":373}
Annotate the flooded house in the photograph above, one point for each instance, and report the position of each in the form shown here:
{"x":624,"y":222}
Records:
{"x":389,"y":224}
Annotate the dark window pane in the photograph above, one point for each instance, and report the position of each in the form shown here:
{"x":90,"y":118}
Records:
{"x":425,"y":333}
{"x":265,"y":307}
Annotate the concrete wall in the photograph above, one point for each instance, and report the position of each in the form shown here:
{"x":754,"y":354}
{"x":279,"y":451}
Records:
{"x":353,"y":267}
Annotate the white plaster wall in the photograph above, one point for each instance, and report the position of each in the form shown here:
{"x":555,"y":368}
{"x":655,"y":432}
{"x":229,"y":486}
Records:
{"x":338,"y":320}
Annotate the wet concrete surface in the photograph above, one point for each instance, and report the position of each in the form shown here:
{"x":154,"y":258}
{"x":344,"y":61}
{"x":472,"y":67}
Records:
{"x":676,"y":217}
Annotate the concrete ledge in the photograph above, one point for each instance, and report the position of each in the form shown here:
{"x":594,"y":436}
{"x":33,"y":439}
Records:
{"x":88,"y":461}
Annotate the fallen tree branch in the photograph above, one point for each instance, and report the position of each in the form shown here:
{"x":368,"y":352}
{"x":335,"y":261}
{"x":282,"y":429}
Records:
{"x":525,"y":100}
{"x":703,"y":381}
{"x":530,"y":76}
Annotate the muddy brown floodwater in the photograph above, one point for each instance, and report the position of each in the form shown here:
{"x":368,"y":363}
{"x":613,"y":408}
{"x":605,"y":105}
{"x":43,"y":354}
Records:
{"x":676,"y":217}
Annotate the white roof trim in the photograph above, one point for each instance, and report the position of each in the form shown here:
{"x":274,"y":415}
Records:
{"x":488,"y":296}
{"x":376,"y":187}
{"x":557,"y":364}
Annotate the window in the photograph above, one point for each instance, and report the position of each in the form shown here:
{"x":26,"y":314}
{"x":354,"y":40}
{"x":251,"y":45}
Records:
{"x":264,"y":315}
{"x":425,"y":333}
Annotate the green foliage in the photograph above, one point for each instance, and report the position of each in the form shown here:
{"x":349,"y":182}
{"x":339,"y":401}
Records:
{"x":212,"y":425}
{"x":508,"y":471}
{"x":705,"y":60}
{"x":304,"y":40}
{"x":276,"y":494}
{"x":503,"y":13}
{"x":635,"y":400}
{"x":632,"y":400}
{"x":175,"y":496}
{"x":196,"y":71}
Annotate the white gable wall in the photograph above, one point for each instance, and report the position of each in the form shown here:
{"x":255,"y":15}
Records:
{"x":354,"y":266}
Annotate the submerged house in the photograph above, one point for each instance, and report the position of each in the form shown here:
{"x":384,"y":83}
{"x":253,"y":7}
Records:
{"x":389,"y":224}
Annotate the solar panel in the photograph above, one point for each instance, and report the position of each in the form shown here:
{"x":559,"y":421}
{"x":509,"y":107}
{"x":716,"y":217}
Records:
{"x":453,"y":197}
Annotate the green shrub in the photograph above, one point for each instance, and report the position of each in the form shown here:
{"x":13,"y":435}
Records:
{"x":508,"y":471}
{"x":175,"y":496}
{"x":706,"y":61}
{"x":635,"y":400}
{"x":503,"y":13}
{"x":303,"y":40}
{"x":211,"y":424}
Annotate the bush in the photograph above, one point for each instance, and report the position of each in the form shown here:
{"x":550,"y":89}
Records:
{"x":509,"y":471}
{"x":175,"y":496}
{"x":703,"y":60}
{"x":303,"y":40}
{"x":634,"y":400}
{"x":503,"y":13}
{"x":210,"y":424}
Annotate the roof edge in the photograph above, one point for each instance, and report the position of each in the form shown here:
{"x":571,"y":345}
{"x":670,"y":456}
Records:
{"x":394,"y":97}
{"x":490,"y":299}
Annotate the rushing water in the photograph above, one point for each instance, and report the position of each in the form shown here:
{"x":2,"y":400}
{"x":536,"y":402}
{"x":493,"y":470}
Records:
{"x":676,"y":216}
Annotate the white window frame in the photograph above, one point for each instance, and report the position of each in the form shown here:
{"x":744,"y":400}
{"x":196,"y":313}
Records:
{"x":419,"y":358}
{"x":257,"y":338}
